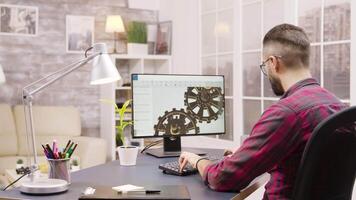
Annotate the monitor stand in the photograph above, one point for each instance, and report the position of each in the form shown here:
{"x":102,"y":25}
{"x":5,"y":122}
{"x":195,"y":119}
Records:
{"x":171,"y":148}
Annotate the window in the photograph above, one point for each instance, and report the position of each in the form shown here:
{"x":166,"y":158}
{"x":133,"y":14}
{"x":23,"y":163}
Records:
{"x":327,"y":24}
{"x":217,"y":18}
{"x":257,"y":18}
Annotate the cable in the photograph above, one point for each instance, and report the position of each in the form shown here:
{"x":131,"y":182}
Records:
{"x":86,"y":51}
{"x":16,"y":181}
{"x":151,"y":145}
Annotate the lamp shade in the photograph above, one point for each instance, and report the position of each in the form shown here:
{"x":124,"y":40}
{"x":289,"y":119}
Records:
{"x":114,"y":24}
{"x":2,"y":75}
{"x":104,"y":71}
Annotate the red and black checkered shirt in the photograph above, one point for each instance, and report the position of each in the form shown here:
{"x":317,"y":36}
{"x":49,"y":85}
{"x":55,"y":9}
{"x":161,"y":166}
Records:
{"x":276,"y":142}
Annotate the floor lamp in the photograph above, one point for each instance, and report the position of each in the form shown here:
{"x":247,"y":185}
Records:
{"x":115,"y":25}
{"x":103,"y":72}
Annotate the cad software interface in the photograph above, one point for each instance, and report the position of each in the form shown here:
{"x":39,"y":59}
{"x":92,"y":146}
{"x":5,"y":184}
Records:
{"x":177,"y":105}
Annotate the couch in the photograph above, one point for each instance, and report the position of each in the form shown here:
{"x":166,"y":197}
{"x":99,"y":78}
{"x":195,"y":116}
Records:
{"x":61,"y":123}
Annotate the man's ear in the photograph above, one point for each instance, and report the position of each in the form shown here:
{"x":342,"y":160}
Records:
{"x":275,"y":65}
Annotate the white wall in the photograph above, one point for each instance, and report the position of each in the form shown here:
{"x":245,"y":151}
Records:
{"x":184,"y":15}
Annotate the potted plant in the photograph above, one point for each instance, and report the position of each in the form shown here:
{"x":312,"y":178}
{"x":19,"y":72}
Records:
{"x":127,"y":153}
{"x":75,"y":165}
{"x":120,"y":136}
{"x":19,"y":163}
{"x":137,"y":38}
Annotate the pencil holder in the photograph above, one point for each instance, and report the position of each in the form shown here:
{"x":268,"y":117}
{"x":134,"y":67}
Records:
{"x":59,"y":169}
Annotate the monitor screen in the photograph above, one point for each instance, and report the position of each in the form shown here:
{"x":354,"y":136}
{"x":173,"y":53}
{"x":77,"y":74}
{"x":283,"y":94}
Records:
{"x":177,"y":105}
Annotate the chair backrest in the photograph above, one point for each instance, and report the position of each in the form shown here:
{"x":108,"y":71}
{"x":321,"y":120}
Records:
{"x":328,"y":165}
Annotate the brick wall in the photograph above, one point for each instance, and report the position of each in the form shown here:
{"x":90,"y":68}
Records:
{"x":26,"y":59}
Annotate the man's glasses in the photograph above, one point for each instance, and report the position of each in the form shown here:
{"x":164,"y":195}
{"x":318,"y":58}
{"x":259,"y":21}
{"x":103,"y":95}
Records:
{"x":263,"y":64}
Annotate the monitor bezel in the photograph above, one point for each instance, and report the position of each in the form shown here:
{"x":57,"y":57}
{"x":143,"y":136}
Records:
{"x":161,"y":136}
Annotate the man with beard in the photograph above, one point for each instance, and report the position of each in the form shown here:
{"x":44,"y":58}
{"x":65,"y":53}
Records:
{"x":277,"y":141}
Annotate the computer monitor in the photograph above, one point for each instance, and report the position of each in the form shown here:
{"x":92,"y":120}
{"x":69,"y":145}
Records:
{"x":171,"y":106}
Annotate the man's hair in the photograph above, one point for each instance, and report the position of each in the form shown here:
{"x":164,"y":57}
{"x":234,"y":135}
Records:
{"x":290,"y":42}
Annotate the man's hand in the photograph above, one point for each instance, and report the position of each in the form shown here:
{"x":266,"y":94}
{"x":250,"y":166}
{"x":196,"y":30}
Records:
{"x":229,"y":152}
{"x":187,"y":157}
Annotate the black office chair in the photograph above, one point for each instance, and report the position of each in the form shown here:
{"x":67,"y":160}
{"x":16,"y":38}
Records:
{"x":328,"y":165}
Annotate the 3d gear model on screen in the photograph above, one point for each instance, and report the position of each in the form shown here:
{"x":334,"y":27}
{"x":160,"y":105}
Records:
{"x":176,"y":122}
{"x":204,"y":104}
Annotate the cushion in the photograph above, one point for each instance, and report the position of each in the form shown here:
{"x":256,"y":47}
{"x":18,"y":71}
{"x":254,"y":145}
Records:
{"x":50,"y":122}
{"x":8,"y":137}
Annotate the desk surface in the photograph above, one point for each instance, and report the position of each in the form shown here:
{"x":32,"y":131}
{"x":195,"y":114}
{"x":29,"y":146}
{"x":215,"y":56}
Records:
{"x":146,"y":172}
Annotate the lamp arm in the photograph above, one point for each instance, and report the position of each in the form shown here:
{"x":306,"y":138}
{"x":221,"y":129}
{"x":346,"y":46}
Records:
{"x":50,"y":82}
{"x":54,"y":73}
{"x":27,"y":97}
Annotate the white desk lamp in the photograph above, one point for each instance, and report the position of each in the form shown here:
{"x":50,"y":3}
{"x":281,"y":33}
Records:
{"x":103,"y":72}
{"x":2,"y":76}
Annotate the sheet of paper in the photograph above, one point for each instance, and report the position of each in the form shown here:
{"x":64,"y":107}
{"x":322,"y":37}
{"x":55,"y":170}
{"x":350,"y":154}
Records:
{"x":128,"y":187}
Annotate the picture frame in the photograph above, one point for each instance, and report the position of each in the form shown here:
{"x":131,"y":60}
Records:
{"x":151,"y":37}
{"x":164,"y":38}
{"x":18,"y":20}
{"x":79,"y":33}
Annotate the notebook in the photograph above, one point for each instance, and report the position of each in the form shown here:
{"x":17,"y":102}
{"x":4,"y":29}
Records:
{"x":173,"y":192}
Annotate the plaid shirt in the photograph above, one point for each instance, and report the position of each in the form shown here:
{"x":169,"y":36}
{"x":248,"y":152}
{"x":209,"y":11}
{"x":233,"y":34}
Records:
{"x":276,"y":142}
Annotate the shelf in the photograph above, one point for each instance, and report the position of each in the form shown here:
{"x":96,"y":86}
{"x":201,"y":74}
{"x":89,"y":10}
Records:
{"x":145,"y":57}
{"x":125,"y":118}
{"x":123,"y":88}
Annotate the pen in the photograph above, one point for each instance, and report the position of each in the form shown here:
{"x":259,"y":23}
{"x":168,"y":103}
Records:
{"x":54,"y":146}
{"x":46,"y":154}
{"x":49,"y":150}
{"x":143,"y":191}
{"x":65,"y":149}
{"x":152,"y":191}
{"x":70,"y":146}
{"x":54,"y":149}
{"x":44,"y":148}
{"x":45,"y":151}
{"x":72,"y":150}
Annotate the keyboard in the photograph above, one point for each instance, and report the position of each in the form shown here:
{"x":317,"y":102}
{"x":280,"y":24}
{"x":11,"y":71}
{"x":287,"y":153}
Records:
{"x":172,"y":168}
